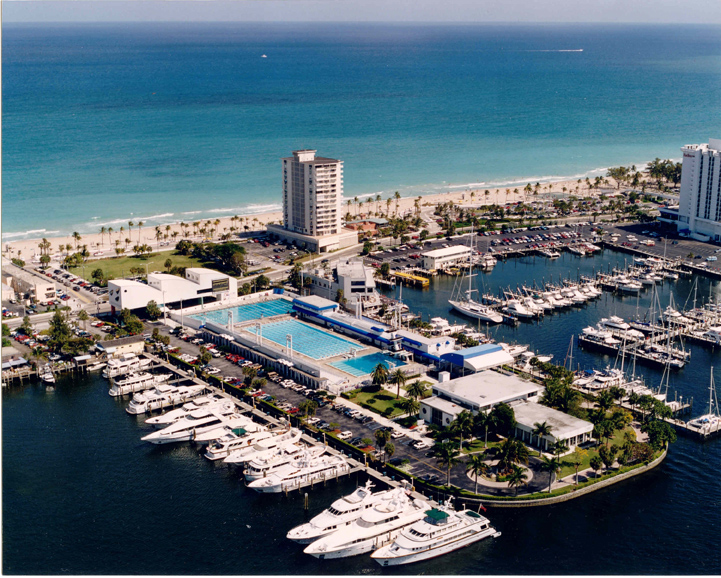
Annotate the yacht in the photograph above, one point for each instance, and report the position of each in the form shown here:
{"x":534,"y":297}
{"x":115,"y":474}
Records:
{"x":136,"y":382}
{"x":124,"y":364}
{"x":549,"y":253}
{"x":577,"y":250}
{"x":443,"y":530}
{"x":711,"y":421}
{"x":376,"y":527}
{"x":476,"y":310}
{"x":46,"y":374}
{"x":671,"y":315}
{"x":517,"y":309}
{"x":263,"y":467}
{"x":196,"y":426}
{"x":341,"y":513}
{"x":234,"y":440}
{"x":614,"y":322}
{"x":630,"y":286}
{"x":95,"y":365}
{"x":265,"y":447}
{"x":206,"y":402}
{"x":162,"y":396}
{"x":514,"y":350}
{"x":713,"y":333}
{"x":306,"y":470}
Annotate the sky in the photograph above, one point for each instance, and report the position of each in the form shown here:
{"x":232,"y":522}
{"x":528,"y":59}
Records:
{"x":627,"y":11}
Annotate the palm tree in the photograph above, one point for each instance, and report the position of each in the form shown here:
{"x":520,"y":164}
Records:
{"x":512,"y":451}
{"x":516,"y":478}
{"x":559,"y":448}
{"x":477,"y":466}
{"x":103,"y":230}
{"x":397,"y":197}
{"x":130,"y":227}
{"x":77,"y":238}
{"x":462,"y":425}
{"x":388,"y":207}
{"x":379,"y":375}
{"x":409,"y":405}
{"x":552,"y":466}
{"x":485,"y":420}
{"x":539,"y":430}
{"x":397,"y":378}
{"x":416,"y":389}
{"x":446,"y":454}
{"x":383,"y":436}
{"x":577,"y":460}
{"x":83,"y":316}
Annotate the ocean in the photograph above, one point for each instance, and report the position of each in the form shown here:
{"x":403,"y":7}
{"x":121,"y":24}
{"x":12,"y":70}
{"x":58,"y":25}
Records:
{"x":168,"y":122}
{"x":83,"y":495}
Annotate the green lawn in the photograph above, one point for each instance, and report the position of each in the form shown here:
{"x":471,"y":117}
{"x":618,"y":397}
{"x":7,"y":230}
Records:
{"x":379,"y":402}
{"x":568,"y":469}
{"x":118,"y":267}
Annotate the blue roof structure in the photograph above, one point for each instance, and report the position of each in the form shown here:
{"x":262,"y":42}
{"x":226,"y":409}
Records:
{"x":459,"y":357}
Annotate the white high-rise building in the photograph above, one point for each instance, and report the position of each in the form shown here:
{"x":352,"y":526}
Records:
{"x":699,"y":211}
{"x":312,"y":203}
{"x":312,"y":194}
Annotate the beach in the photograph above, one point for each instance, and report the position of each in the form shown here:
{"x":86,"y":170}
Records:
{"x":104,"y":245}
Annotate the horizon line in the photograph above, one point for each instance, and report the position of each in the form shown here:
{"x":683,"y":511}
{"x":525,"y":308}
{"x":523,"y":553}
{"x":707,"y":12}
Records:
{"x":386,"y":22}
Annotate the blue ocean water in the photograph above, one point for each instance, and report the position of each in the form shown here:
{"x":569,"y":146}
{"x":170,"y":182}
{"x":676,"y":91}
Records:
{"x":169,"y":122}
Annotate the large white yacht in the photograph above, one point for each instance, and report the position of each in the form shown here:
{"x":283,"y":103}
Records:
{"x":517,"y":309}
{"x":375,"y":528}
{"x":614,"y":322}
{"x":124,"y":364}
{"x":341,"y":513}
{"x":710,"y":422}
{"x":196,"y":427}
{"x":303,"y":472}
{"x":264,"y":447}
{"x":263,"y":467}
{"x":443,"y":530}
{"x":162,"y":396}
{"x":204,"y":402}
{"x":137,"y":382}
{"x":234,"y":440}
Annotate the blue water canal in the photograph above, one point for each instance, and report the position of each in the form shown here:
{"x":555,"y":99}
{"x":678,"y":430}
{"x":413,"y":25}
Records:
{"x":83,"y":495}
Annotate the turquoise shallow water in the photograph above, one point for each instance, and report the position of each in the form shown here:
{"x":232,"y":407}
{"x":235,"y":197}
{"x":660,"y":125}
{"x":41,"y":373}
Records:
{"x":359,"y":366}
{"x":166,"y":122}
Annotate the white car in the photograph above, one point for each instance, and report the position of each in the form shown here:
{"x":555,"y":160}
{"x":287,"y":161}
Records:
{"x":712,"y":258}
{"x":345,"y":435}
{"x":420,"y":445}
{"x":397,"y":434}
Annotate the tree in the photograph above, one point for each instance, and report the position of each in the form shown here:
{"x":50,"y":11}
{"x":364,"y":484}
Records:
{"x":83,"y":316}
{"x":26,"y":327}
{"x":382,"y":436}
{"x":511,"y":451}
{"x":516,"y":478}
{"x":340,"y":297}
{"x":540,"y":430}
{"x":397,"y":378}
{"x":379,"y":375}
{"x":262,"y":282}
{"x":389,"y":450}
{"x":478,"y":467}
{"x":249,"y":373}
{"x":559,"y":448}
{"x":462,"y":425}
{"x":410,"y":406}
{"x":60,"y":332}
{"x":607,"y":455}
{"x":307,"y":408}
{"x":505,"y":419}
{"x":552,"y":466}
{"x":446,"y":454}
{"x":204,"y":356}
{"x":577,"y":460}
{"x":153,"y":310}
{"x":168,"y":264}
{"x":417,"y":389}
{"x":659,"y":433}
{"x":484,"y":421}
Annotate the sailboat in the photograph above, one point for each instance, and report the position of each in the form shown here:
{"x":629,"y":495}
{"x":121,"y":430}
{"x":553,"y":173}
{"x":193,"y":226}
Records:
{"x":711,"y":421}
{"x":463,"y":302}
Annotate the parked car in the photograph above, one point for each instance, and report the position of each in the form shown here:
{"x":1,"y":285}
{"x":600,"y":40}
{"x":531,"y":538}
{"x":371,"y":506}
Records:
{"x":345,"y":435}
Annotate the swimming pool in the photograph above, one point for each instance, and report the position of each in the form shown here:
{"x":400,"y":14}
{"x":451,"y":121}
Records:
{"x":306,"y":339}
{"x":360,"y":366}
{"x":247,"y":312}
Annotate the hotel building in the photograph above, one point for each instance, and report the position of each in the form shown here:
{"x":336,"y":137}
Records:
{"x":699,"y":212}
{"x":312,"y":203}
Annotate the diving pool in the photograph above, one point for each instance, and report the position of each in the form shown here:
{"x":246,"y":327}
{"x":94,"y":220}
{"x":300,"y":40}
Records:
{"x":247,"y":312}
{"x":307,"y":340}
{"x":360,"y":366}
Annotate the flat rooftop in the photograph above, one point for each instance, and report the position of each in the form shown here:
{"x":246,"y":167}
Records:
{"x":562,"y":424}
{"x":447,"y":251}
{"x":487,"y":388}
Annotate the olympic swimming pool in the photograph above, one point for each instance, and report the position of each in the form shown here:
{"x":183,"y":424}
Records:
{"x":314,"y":343}
{"x":360,"y":366}
{"x":247,"y":312}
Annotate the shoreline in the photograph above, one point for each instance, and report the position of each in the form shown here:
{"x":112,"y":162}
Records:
{"x":27,"y":249}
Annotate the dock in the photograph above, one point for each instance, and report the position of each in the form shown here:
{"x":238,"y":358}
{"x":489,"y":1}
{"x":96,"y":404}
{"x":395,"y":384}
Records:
{"x":411,"y":279}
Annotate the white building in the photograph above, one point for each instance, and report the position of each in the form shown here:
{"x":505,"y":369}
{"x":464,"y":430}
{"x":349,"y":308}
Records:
{"x":312,"y":203}
{"x":564,"y":427}
{"x":477,"y":392}
{"x":164,"y":289}
{"x":352,"y":277}
{"x":446,"y":257}
{"x":37,"y":289}
{"x":699,"y":211}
